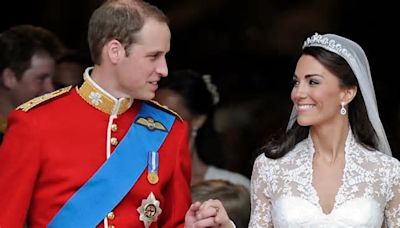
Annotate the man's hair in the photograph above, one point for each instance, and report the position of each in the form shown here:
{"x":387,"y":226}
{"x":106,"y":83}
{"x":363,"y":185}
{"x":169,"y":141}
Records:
{"x":20,"y":43}
{"x":234,"y":197}
{"x":120,"y":20}
{"x":75,"y":56}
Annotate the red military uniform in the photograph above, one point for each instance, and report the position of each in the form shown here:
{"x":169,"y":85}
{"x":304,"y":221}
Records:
{"x":52,"y":149}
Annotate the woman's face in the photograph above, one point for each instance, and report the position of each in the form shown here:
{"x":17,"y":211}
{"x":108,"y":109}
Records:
{"x":316,"y":94}
{"x":173,"y":101}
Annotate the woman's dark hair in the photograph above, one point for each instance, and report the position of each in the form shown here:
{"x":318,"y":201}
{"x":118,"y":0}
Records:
{"x":360,"y":124}
{"x":198,"y":99}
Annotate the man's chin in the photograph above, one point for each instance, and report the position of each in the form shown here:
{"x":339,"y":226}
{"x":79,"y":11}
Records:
{"x":149,"y":96}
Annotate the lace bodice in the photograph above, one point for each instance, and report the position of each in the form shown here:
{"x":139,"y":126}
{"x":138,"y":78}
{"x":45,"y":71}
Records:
{"x":282,"y":194}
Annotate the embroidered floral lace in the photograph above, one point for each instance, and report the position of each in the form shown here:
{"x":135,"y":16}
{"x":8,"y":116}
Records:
{"x":283,"y":194}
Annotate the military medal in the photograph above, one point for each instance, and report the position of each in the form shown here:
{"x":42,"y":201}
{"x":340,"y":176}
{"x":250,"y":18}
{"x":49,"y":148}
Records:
{"x":152,"y":177}
{"x":152,"y":167}
{"x":149,"y":210}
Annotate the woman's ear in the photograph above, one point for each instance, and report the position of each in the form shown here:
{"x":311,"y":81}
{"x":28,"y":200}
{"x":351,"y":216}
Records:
{"x":198,"y":121}
{"x":349,"y":94}
{"x":8,"y":79}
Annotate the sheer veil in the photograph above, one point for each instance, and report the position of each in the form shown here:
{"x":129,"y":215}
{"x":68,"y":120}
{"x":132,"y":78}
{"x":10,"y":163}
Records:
{"x":356,"y":58}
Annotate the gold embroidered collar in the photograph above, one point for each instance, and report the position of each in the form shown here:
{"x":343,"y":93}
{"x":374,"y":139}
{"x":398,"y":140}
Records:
{"x":97,"y":97}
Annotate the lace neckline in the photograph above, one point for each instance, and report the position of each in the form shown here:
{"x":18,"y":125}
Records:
{"x":339,"y":194}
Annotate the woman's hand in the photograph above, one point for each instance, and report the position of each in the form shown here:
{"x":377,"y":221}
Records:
{"x":210,"y":213}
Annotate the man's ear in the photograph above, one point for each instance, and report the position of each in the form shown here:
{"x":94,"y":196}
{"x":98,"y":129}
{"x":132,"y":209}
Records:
{"x":114,"y":51}
{"x":8,"y":78}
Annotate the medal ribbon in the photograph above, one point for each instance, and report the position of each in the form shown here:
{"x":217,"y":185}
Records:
{"x":152,"y":167}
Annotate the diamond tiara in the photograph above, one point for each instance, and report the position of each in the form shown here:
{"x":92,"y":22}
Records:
{"x":211,"y":88}
{"x":329,"y":44}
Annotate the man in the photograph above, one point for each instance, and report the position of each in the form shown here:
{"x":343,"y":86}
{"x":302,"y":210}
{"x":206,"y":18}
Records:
{"x":101,"y":155}
{"x":27,"y":64}
{"x":69,"y":69}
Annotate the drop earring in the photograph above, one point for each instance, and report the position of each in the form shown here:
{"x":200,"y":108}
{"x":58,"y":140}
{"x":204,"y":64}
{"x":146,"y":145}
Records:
{"x":192,"y":139}
{"x":193,"y":132}
{"x":343,"y":110}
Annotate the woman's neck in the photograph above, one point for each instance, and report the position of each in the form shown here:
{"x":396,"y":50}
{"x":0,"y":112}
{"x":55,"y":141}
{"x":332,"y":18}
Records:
{"x":199,"y":168}
{"x":329,"y":141}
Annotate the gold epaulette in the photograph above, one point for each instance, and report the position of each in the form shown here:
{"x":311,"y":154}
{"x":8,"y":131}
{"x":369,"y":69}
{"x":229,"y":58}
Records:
{"x":165,"y":108}
{"x":37,"y":100}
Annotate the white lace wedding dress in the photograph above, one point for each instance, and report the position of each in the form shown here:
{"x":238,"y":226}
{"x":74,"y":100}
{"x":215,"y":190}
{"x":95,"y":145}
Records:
{"x":282,"y":193}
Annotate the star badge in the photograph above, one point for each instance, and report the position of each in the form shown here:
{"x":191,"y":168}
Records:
{"x":149,"y":210}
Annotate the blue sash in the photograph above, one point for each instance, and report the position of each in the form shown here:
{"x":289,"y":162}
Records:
{"x":115,"y":178}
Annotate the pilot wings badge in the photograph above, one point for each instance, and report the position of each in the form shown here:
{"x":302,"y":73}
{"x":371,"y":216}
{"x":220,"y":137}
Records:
{"x":149,"y":210}
{"x":151,"y":124}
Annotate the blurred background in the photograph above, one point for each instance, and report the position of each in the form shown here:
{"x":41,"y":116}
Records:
{"x":250,"y":48}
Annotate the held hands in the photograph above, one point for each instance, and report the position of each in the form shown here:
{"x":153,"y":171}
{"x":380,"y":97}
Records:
{"x":210,"y":213}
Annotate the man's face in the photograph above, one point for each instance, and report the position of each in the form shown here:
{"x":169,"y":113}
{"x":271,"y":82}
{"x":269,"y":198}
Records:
{"x":68,"y":73}
{"x":139,"y":72}
{"x":35,"y":81}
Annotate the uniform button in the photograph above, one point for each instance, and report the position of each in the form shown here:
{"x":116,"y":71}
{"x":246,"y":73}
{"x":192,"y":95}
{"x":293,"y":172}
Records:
{"x":111,"y":226}
{"x":114,"y":127}
{"x":114,"y":141}
{"x":111,"y":215}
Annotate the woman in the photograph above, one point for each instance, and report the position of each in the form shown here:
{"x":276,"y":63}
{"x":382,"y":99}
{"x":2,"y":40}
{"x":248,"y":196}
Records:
{"x":333,"y":167}
{"x":194,"y":97}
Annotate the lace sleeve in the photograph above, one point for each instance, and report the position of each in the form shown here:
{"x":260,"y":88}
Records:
{"x":392,"y":210}
{"x":260,"y":202}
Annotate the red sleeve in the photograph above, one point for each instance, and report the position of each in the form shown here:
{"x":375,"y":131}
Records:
{"x":178,"y":195}
{"x":19,"y":167}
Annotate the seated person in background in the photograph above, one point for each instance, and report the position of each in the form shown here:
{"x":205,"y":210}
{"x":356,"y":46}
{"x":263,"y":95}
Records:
{"x":194,"y":97}
{"x":70,"y":68}
{"x":235,"y":198}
